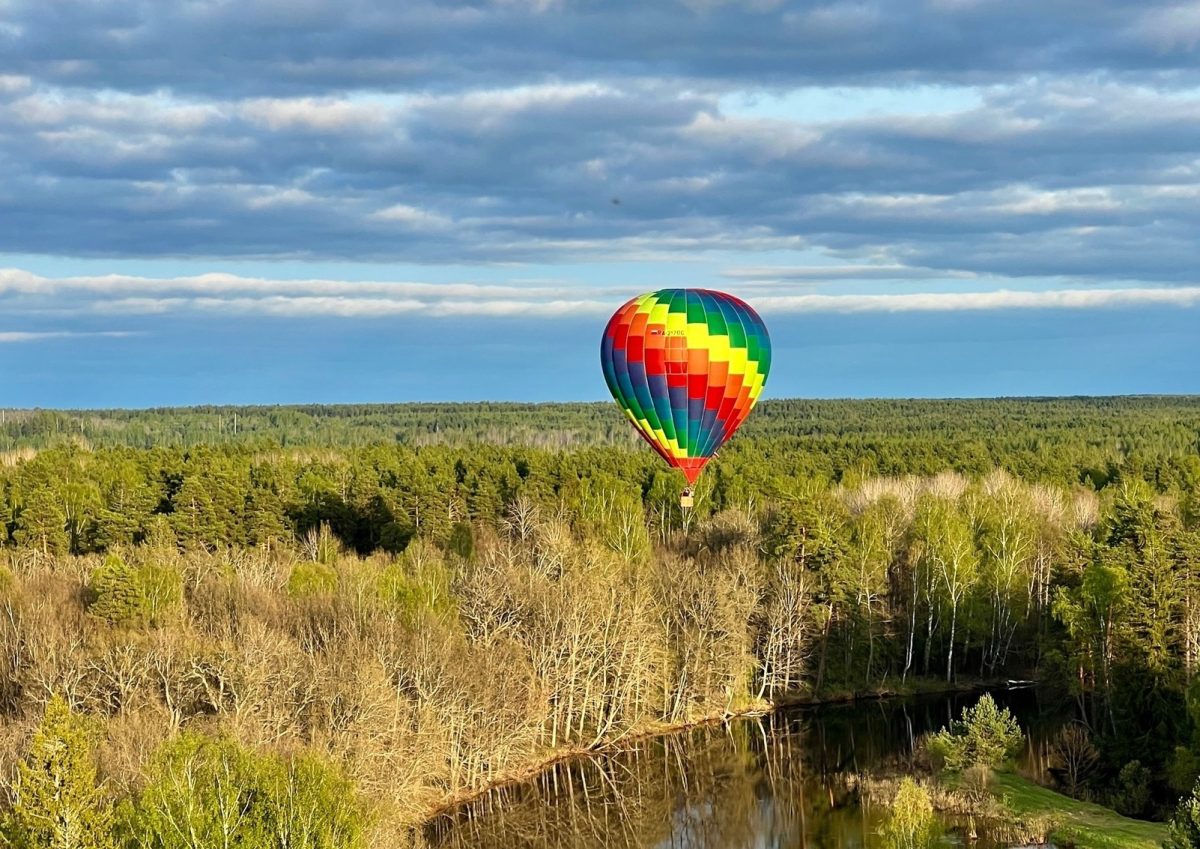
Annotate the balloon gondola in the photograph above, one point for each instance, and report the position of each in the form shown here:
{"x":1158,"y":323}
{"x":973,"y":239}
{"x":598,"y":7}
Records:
{"x":686,"y":366}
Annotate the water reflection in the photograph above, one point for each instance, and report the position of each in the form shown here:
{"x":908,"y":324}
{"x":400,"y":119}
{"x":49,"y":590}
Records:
{"x":781,"y":782}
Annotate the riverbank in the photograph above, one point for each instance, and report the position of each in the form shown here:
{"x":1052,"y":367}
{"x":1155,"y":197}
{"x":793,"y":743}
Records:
{"x":914,"y":687}
{"x":1016,"y":809}
{"x":1080,"y":824}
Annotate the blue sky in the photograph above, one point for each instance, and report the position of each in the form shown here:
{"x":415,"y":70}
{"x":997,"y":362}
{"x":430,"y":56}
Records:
{"x":306,"y":201}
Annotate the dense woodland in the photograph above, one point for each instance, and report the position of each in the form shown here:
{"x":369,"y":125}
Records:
{"x":1060,"y":438}
{"x":404,"y":604}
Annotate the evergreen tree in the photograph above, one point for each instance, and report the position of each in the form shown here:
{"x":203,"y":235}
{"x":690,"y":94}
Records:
{"x":987,"y":735}
{"x":116,"y":593}
{"x":41,"y":524}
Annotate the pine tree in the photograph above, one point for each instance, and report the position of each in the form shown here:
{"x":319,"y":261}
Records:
{"x":42,"y":525}
{"x":118,"y":594}
{"x":987,"y":736}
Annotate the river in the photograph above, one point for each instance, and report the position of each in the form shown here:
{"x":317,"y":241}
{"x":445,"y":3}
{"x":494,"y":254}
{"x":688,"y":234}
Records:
{"x":784,"y":781}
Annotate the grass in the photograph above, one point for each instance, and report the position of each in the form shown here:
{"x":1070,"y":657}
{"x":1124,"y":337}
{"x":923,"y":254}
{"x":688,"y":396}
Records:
{"x":1080,"y":824}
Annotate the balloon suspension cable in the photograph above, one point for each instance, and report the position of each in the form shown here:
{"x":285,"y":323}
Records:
{"x":686,"y":501}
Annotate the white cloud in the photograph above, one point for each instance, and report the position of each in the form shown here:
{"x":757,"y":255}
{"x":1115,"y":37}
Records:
{"x":326,"y":115}
{"x":769,"y":138}
{"x":111,"y":110}
{"x":13,"y":336}
{"x":481,"y":104}
{"x":1027,"y":201}
{"x":540,"y":309}
{"x":300,"y":306}
{"x":10,"y":84}
{"x":1003,"y":299}
{"x":769,"y":289}
{"x":15,"y":281}
{"x":412,"y":216}
{"x":1176,"y":26}
{"x":281,"y":197}
{"x":511,"y":170}
{"x":818,"y":273}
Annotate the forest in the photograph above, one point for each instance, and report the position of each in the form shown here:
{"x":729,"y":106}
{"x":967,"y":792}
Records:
{"x":403,"y":605}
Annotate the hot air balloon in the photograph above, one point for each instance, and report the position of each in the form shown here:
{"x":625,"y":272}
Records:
{"x":687,"y":366}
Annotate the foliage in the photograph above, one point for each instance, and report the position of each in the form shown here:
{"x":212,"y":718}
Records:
{"x":56,"y":801}
{"x":1069,"y":440}
{"x":417,"y":585}
{"x":1183,"y":769}
{"x":987,"y":735}
{"x":204,"y":792}
{"x":911,"y":823}
{"x":116,"y":593}
{"x":462,"y":540}
{"x":41,"y":524}
{"x":1185,"y":824}
{"x":311,"y":579}
{"x":123,"y":594}
{"x":1132,"y":796}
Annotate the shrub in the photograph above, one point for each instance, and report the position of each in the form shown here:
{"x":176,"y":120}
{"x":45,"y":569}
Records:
{"x":56,"y":802}
{"x":309,"y":579}
{"x":416,"y":586}
{"x":1184,"y":830}
{"x":1183,"y":769}
{"x":116,"y":595}
{"x":977,"y":785}
{"x":122,"y":594}
{"x":987,"y":735}
{"x":204,"y":791}
{"x":321,"y":545}
{"x":1076,"y":756}
{"x":911,"y":824}
{"x":162,"y":585}
{"x":1132,"y":794}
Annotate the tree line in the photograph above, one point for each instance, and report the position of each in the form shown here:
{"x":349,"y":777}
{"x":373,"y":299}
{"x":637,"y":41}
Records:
{"x":1063,"y":439}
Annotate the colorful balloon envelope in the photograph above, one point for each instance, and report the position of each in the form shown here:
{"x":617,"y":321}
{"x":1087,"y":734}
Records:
{"x":687,"y":366}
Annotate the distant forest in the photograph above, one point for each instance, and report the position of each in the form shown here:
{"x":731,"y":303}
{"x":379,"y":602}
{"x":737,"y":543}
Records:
{"x":1065,"y":440}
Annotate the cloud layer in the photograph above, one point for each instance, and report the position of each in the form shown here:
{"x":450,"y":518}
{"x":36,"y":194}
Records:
{"x":994,"y":138}
{"x":278,"y":47}
{"x":23,"y":293}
